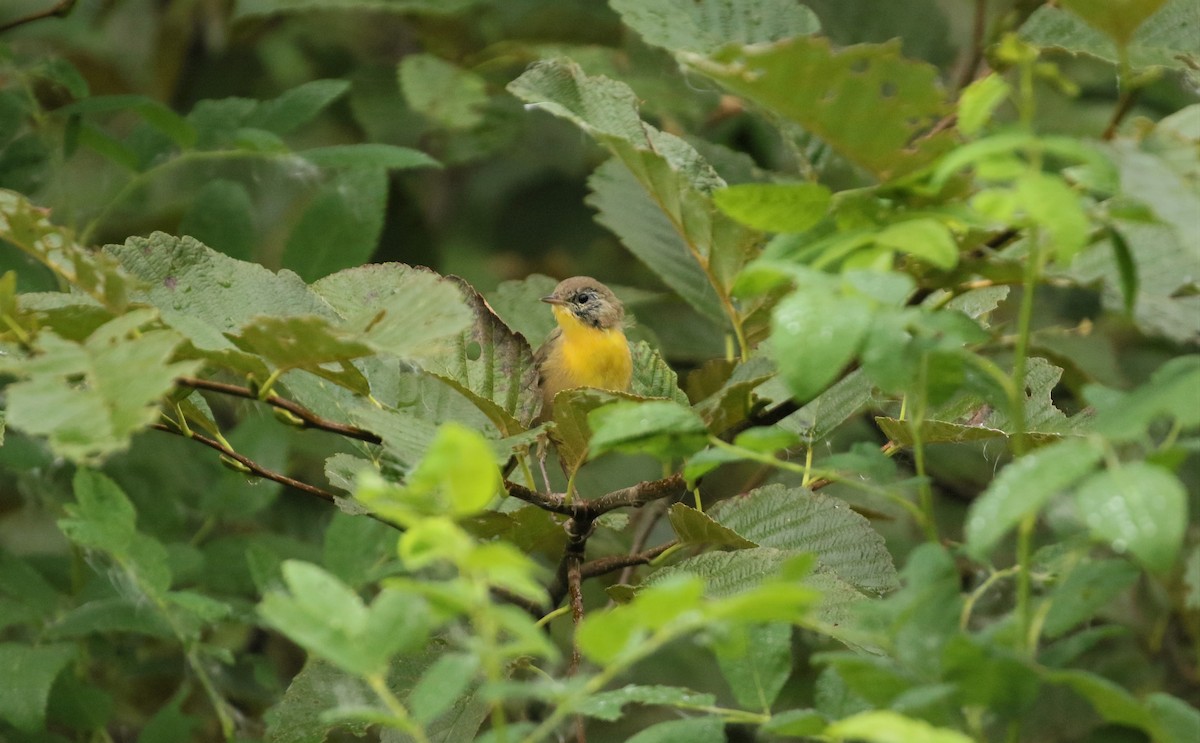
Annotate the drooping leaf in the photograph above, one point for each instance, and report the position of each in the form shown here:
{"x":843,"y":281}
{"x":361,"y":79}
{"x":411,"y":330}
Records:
{"x":867,"y":102}
{"x":979,"y":100}
{"x":1024,"y":487}
{"x":756,"y":662}
{"x":925,"y":238}
{"x":775,"y":207}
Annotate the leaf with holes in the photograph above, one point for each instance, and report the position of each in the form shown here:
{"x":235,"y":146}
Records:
{"x":705,"y":26}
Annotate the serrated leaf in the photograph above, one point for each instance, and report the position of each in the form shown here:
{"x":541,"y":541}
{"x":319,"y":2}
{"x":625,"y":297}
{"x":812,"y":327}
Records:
{"x":490,"y":364}
{"x":775,"y":207}
{"x":798,"y":519}
{"x":88,"y":399}
{"x":631,"y":214}
{"x":308,"y":342}
{"x":866,"y":101}
{"x":706,"y":26}
{"x":1138,"y":508}
{"x":410,"y":312}
{"x":694,"y":527}
{"x":815,"y":333}
{"x":26,"y":675}
{"x":818,"y":418}
{"x":1166,"y":39}
{"x":948,"y":432}
{"x":1024,"y":487}
{"x":731,"y":403}
{"x":653,"y":376}
{"x":659,"y":427}
{"x":608,"y":705}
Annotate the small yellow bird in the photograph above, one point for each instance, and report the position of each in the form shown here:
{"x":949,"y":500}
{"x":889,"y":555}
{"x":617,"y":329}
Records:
{"x":588,"y":348}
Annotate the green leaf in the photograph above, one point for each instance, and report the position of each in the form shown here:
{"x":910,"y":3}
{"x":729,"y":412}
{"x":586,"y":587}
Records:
{"x":26,"y":675}
{"x":442,"y":685}
{"x":571,"y":430}
{"x":410,"y":312}
{"x":221,"y":216}
{"x":696,"y":528}
{"x":449,"y":95}
{"x":296,"y":716}
{"x":797,"y":519}
{"x":1113,"y":703}
{"x":633,"y":216}
{"x":1166,"y":39}
{"x":1087,"y":589}
{"x":1051,"y":203}
{"x":354,"y":545}
{"x":885,"y":726}
{"x":692,"y":730}
{"x":169,"y":723}
{"x":979,"y":101}
{"x":818,"y":418}
{"x":1023,"y":488}
{"x":110,"y":615}
{"x":369,"y":155}
{"x":608,"y":705}
{"x":1118,"y":19}
{"x":706,"y":26}
{"x":775,"y":207}
{"x":867,"y":102}
{"x":1138,"y":508}
{"x":297,"y":106}
{"x":814,"y":335}
{"x":459,"y":469}
{"x":307,"y":342}
{"x":926,"y":239}
{"x":756,"y":662}
{"x":1168,"y":394}
{"x":766,"y":440}
{"x":341,"y":226}
{"x":658,"y":427}
{"x":151,"y":111}
{"x":795,"y":722}
{"x":491,"y":365}
{"x":653,"y":376}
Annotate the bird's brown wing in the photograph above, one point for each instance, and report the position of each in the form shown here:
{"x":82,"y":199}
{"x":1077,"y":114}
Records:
{"x":539,"y":358}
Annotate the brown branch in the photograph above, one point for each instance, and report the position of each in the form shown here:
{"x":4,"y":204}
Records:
{"x":310,"y":419}
{"x":552,"y":502}
{"x":975,"y":54}
{"x":604,"y":565}
{"x":60,"y":9}
{"x":645,"y":522}
{"x":636,"y":496}
{"x":256,"y":469}
{"x":1124,"y":106}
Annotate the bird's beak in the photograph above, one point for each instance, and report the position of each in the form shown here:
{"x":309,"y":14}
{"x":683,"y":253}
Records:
{"x":553,"y":300}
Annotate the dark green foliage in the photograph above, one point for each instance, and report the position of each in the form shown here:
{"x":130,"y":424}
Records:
{"x":910,"y":451}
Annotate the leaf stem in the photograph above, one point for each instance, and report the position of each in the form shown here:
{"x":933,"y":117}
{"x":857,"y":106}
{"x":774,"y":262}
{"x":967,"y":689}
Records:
{"x":379,"y":685}
{"x":915,"y":423}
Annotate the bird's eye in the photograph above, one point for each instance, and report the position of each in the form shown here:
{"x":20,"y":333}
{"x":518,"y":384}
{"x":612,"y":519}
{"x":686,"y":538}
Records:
{"x":584,"y":297}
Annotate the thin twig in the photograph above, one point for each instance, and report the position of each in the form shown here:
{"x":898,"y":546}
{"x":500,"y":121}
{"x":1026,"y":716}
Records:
{"x":59,"y":9}
{"x":552,"y":502}
{"x":256,"y":469}
{"x":1124,"y":106}
{"x":604,"y":565}
{"x":646,"y":521}
{"x":310,"y":419}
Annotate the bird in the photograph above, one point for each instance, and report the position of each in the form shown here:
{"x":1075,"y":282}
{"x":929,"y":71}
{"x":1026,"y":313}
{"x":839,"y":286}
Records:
{"x":588,"y":347}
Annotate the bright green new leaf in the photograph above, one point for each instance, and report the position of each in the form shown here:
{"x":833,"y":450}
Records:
{"x":1051,"y":204}
{"x":775,"y":207}
{"x":815,"y":334}
{"x":796,"y":722}
{"x":460,"y":466}
{"x":658,"y":427}
{"x":26,"y":675}
{"x":766,"y":440}
{"x":886,"y":726}
{"x":927,"y":239}
{"x":1138,"y":508}
{"x":979,"y":101}
{"x":432,"y":540}
{"x":1023,"y":487}
{"x":704,"y":26}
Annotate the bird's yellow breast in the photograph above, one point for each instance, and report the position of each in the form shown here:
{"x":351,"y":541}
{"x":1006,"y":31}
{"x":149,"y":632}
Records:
{"x":584,"y":356}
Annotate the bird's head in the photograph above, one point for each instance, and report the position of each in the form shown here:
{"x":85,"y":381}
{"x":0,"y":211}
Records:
{"x":587,"y":301}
